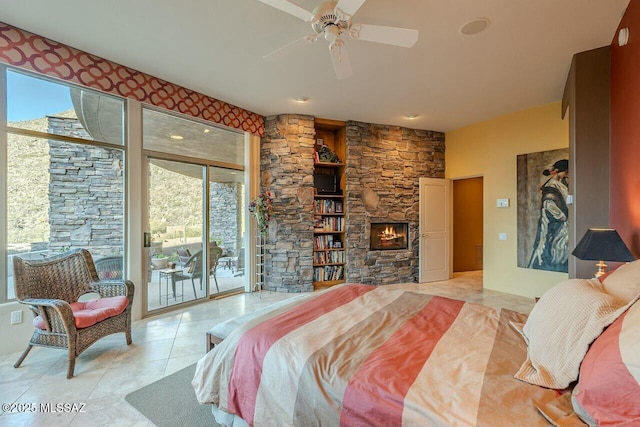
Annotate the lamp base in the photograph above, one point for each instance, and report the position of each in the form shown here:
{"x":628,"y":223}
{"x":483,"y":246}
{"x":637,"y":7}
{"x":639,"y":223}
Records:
{"x":602,"y":269}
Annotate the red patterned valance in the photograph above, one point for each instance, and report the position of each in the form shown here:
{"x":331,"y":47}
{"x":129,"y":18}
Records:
{"x":31,"y":52}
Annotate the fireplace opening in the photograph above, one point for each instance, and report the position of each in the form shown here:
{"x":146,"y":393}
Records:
{"x":389,"y":236}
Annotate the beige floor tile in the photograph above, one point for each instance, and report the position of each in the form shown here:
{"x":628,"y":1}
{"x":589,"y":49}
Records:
{"x":109,"y":412}
{"x":177,"y":363}
{"x":124,"y":377}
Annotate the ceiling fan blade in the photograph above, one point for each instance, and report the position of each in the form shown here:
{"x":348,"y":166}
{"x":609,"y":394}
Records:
{"x":290,"y":8}
{"x":403,"y":37}
{"x":340,"y":59}
{"x":285,"y":50}
{"x":350,"y":7}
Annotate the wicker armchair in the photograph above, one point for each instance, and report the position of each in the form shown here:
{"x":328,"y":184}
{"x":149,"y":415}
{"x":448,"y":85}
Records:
{"x":109,"y":268}
{"x":48,"y":287}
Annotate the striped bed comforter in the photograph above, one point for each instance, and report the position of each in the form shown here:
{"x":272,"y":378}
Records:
{"x":360,"y":355}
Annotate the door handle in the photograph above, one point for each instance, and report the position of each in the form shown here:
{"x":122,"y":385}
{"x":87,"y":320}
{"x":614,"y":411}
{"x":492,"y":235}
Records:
{"x":424,"y":235}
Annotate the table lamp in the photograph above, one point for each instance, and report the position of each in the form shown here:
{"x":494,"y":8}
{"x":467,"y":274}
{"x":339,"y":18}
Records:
{"x":602,"y":244}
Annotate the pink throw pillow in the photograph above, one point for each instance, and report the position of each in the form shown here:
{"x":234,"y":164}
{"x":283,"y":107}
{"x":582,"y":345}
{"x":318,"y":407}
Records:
{"x":608,"y":389}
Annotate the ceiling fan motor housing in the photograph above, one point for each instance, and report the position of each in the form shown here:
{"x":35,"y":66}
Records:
{"x":328,"y":22}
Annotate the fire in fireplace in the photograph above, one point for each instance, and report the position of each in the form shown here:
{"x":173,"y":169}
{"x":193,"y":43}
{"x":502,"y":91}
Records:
{"x":389,"y":235}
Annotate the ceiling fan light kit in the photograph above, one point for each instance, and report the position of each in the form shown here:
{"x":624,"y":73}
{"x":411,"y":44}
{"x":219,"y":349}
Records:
{"x":332,"y":19}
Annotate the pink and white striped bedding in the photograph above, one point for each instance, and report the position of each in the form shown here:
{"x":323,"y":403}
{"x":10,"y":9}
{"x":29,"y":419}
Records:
{"x":361,"y":355}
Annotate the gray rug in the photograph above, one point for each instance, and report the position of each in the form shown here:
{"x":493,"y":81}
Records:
{"x":171,"y":402}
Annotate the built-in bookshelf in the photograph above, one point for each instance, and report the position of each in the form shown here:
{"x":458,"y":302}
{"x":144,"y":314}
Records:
{"x":329,"y":250}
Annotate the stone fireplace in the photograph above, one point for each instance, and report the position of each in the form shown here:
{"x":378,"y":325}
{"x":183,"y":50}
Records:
{"x":383,"y":168}
{"x":386,"y":236}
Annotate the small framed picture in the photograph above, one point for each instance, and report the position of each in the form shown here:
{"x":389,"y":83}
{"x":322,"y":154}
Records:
{"x":337,"y":245}
{"x":320,"y":142}
{"x":338,"y":207}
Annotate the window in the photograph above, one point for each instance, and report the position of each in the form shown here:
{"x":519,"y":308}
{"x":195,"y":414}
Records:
{"x":64,"y":172}
{"x":184,"y":137}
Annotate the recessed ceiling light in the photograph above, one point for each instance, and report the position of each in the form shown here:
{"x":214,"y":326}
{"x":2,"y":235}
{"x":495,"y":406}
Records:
{"x":301,"y":99}
{"x":176,"y":137}
{"x":412,"y":116}
{"x":474,"y":26}
{"x":207,"y":130}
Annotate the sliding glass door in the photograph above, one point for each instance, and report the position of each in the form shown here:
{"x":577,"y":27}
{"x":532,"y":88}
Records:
{"x":195,"y":193}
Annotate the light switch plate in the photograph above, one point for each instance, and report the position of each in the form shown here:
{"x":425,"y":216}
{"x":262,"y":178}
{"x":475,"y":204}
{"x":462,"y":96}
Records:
{"x":16,"y":317}
{"x":502,"y":203}
{"x":502,"y":236}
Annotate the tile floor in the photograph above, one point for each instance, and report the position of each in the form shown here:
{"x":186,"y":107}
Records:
{"x":110,"y":369}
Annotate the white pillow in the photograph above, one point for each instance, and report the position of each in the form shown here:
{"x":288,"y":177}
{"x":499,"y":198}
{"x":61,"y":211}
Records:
{"x":561,"y":327}
{"x":624,"y":282}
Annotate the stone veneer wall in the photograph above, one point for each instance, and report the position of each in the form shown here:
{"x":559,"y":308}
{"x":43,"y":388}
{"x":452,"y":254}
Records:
{"x":226,"y":200}
{"x":286,"y":165}
{"x":85,"y":193}
{"x":384,"y":164}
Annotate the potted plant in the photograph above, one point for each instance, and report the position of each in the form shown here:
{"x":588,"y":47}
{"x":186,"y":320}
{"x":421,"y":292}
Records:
{"x":261,"y":208}
{"x":159,"y":261}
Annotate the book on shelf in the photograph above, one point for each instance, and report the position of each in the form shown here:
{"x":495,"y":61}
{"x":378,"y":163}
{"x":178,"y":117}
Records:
{"x":327,"y":241}
{"x":328,"y":224}
{"x":327,"y":206}
{"x":328,"y":257}
{"x":329,"y":272}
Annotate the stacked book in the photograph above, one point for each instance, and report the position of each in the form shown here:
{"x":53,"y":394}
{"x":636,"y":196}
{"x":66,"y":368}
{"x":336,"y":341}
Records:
{"x":330,"y":272}
{"x":328,"y":257}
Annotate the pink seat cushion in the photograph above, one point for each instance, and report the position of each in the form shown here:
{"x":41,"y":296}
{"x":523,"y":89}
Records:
{"x":90,"y":312}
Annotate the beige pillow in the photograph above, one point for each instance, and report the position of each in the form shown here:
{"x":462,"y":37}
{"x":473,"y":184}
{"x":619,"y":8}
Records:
{"x":624,"y":282}
{"x":561,"y":327}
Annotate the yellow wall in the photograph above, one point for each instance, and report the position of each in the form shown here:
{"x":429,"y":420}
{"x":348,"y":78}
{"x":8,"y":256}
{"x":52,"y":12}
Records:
{"x":489,"y":149}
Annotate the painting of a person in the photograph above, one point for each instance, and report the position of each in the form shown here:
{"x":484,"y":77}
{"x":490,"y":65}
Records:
{"x":550,"y":250}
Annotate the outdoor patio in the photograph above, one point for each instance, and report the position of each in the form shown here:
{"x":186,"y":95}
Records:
{"x":160,"y":293}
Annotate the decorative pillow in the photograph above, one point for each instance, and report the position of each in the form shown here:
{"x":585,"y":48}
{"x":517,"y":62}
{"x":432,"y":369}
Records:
{"x":561,"y":327}
{"x":608,"y":391}
{"x":88,"y":313}
{"x":624,"y":281}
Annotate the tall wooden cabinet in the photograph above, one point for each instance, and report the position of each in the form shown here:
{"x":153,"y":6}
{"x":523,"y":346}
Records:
{"x":329,"y":249}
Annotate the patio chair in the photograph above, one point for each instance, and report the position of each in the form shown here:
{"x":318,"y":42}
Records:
{"x":183,"y":255}
{"x":51,"y":288}
{"x":240,"y":263}
{"x":192,"y":270}
{"x":109,"y":268}
{"x":215,"y":253}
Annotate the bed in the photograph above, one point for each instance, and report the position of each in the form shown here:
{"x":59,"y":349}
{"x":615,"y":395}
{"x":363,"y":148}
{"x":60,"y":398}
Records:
{"x":361,"y":355}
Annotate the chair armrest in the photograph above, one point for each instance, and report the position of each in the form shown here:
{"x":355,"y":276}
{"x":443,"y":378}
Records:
{"x":56,"y":313}
{"x":113,"y":288}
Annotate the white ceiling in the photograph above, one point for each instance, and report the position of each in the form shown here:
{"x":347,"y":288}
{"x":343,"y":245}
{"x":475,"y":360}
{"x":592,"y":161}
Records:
{"x":216,"y":46}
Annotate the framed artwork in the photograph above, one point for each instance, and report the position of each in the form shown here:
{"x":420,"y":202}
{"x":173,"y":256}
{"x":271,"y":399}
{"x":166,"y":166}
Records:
{"x":338,"y":207}
{"x":543,"y":232}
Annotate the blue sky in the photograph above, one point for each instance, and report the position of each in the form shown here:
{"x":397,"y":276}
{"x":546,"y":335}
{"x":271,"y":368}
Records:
{"x":29,"y":98}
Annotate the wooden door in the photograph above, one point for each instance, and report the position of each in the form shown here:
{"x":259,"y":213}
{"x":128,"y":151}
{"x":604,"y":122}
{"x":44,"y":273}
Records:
{"x":435,"y":229}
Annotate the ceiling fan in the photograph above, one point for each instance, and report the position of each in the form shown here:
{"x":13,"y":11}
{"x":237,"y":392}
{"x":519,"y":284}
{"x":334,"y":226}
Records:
{"x":331,"y":20}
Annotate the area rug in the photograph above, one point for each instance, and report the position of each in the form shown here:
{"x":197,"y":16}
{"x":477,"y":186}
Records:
{"x":171,"y":402}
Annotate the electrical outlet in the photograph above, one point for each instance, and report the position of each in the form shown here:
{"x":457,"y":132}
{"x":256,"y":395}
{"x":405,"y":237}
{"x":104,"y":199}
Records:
{"x":16,"y":317}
